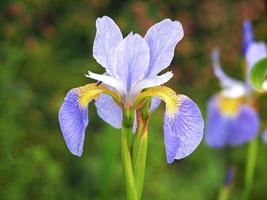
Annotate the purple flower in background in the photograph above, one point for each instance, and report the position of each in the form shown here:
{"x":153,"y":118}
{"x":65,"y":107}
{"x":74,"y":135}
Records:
{"x":265,"y":136}
{"x":231,"y":119}
{"x":131,"y":65}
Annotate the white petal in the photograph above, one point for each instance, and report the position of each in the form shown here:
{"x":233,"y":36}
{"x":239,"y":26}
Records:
{"x":108,"y":80}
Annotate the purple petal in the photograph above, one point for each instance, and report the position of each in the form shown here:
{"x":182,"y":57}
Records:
{"x":132,"y":59}
{"x":73,"y":121}
{"x":155,"y":102}
{"x":244,"y":127}
{"x":248,"y":35}
{"x":162,"y":39}
{"x":108,"y":110}
{"x":225,"y":130}
{"x":108,"y":36}
{"x":217,"y":125}
{"x":264,"y":136}
{"x":183,"y":133}
{"x":255,"y":52}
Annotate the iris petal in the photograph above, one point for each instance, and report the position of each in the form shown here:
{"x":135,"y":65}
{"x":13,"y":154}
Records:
{"x":235,"y":130}
{"x":226,"y":81}
{"x":248,"y":35}
{"x":217,"y":125}
{"x":108,"y":36}
{"x":243,"y":128}
{"x":132,"y":59}
{"x":109,"y":111}
{"x":184,"y":131}
{"x":155,"y":102}
{"x":162,"y":39}
{"x":73,"y":116}
{"x":73,"y":122}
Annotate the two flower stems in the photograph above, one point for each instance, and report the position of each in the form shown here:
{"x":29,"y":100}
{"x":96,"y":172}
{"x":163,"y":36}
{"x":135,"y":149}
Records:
{"x":134,"y":164}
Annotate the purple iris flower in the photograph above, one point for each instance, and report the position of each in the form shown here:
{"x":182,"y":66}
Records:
{"x":232,"y":119}
{"x":132,"y":66}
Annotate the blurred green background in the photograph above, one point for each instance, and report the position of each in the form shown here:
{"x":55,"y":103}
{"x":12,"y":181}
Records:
{"x":46,"y":47}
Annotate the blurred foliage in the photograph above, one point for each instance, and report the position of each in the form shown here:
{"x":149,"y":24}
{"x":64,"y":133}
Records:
{"x":46,"y":47}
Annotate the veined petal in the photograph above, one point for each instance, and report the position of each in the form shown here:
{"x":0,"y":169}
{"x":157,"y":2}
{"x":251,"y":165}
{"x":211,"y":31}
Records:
{"x":248,"y":35}
{"x":108,"y":36}
{"x":225,"y":80}
{"x":165,"y":94}
{"x":109,"y":111}
{"x":132,"y":59}
{"x":184,"y":132}
{"x":151,"y":82}
{"x":108,"y":80}
{"x":162,"y":39}
{"x":73,"y":116}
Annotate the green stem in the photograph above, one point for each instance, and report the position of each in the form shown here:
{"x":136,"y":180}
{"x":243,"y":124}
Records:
{"x":140,"y":164}
{"x":250,"y":167}
{"x":224,"y":193}
{"x":127,"y":165}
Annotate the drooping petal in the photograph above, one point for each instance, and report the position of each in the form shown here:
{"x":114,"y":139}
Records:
{"x":248,"y":37}
{"x":217,"y":125}
{"x":108,"y":36}
{"x":232,"y":130}
{"x":155,"y":102}
{"x":162,"y":39}
{"x":109,"y":111}
{"x":73,"y":116}
{"x":132,"y":59}
{"x":226,"y":81}
{"x":184,"y":132}
{"x":244,"y":127}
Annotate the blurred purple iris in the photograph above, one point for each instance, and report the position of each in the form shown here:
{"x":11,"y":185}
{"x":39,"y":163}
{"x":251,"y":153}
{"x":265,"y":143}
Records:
{"x":231,"y":118}
{"x":131,"y":65}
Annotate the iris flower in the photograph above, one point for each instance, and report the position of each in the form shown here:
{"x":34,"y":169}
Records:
{"x":132,"y":66}
{"x":232,"y":119}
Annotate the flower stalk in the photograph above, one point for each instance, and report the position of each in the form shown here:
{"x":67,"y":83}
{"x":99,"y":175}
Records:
{"x":250,"y":167}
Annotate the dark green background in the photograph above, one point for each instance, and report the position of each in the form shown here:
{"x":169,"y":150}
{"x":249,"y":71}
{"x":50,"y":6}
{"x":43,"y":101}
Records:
{"x":46,"y":47}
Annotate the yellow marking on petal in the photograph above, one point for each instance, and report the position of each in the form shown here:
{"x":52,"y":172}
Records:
{"x":89,"y":92}
{"x":230,"y":106}
{"x":164,"y":93}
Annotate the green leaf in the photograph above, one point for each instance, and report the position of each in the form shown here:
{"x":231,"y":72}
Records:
{"x":258,"y":74}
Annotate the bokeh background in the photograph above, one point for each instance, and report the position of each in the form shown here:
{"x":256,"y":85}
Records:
{"x":46,"y":47}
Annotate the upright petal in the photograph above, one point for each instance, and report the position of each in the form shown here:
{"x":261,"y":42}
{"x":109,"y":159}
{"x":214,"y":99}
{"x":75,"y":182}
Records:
{"x":255,"y":52}
{"x":185,"y":129}
{"x":108,"y":36}
{"x":247,"y":35}
{"x":226,"y":81}
{"x":162,"y":39}
{"x":109,"y":111}
{"x":73,"y":116}
{"x":132,"y":59}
